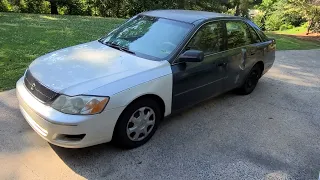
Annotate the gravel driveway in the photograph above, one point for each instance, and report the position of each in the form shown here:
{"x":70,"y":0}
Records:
{"x":272,"y":133}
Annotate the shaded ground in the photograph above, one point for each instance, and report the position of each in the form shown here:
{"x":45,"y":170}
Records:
{"x":273,"y":132}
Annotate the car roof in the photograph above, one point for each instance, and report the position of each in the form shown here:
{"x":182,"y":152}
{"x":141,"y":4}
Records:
{"x":188,"y":16}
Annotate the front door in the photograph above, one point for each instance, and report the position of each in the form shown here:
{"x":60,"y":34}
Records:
{"x":196,"y":81}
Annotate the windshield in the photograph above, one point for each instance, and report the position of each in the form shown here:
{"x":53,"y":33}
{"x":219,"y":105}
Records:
{"x":150,"y":36}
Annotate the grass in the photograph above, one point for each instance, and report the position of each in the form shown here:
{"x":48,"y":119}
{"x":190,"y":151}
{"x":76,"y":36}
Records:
{"x":289,"y":42}
{"x":24,"y":37}
{"x":294,"y":31}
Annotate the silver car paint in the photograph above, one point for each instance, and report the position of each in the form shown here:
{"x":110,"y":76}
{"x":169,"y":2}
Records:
{"x":79,"y":69}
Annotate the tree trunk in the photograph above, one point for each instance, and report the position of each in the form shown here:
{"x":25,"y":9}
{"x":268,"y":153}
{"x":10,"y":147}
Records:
{"x":54,"y":7}
{"x":118,"y":8}
{"x":237,"y":13}
{"x":311,"y":23}
{"x":181,"y":4}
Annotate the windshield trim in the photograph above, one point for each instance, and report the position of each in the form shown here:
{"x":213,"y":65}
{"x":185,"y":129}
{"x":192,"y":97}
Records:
{"x":145,"y":56}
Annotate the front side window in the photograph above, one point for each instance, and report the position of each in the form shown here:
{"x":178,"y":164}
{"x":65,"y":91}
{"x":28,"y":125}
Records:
{"x":150,"y":36}
{"x":238,"y":34}
{"x":208,"y":39}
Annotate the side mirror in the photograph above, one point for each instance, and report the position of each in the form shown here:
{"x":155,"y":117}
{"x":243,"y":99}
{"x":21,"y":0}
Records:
{"x":191,"y":56}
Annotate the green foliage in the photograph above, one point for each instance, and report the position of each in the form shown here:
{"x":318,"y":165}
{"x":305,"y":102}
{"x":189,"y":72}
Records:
{"x":36,"y":6}
{"x":259,"y":20}
{"x":5,"y":6}
{"x":294,"y":12}
{"x":273,"y":22}
{"x":286,"y":27}
{"x":125,"y":8}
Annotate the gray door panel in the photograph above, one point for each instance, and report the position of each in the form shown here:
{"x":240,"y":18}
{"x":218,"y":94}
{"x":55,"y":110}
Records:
{"x":195,"y":82}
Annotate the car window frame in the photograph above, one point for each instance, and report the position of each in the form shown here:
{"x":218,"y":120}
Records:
{"x":150,"y":57}
{"x":257,"y":34}
{"x":248,"y":31}
{"x":204,"y":26}
{"x":183,"y":49}
{"x":223,"y":21}
{"x":258,"y":31}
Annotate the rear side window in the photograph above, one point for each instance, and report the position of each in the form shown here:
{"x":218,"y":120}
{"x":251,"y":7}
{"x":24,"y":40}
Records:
{"x":238,"y":34}
{"x":208,"y":39}
{"x":261,"y":34}
{"x":254,"y":36}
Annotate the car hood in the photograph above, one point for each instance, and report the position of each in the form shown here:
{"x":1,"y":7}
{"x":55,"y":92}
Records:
{"x":84,"y":67}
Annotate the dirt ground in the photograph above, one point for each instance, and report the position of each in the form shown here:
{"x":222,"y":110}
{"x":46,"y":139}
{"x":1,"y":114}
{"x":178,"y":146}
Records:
{"x":304,"y":36}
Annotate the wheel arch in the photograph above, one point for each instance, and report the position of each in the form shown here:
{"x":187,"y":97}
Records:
{"x":154,"y":97}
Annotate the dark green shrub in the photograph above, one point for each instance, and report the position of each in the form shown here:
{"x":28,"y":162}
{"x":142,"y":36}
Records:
{"x":285,"y":27}
{"x":259,"y":20}
{"x":293,"y":18}
{"x":273,"y":22}
{"x":5,"y":6}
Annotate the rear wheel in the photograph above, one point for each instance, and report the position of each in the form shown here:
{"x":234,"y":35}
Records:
{"x":137,"y":123}
{"x":251,"y":81}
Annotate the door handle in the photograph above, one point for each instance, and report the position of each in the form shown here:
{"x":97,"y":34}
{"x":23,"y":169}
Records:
{"x":221,"y":64}
{"x":253,"y":52}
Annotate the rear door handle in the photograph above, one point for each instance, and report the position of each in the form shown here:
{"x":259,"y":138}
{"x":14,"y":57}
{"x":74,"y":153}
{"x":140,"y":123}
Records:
{"x":221,"y":64}
{"x":253,"y":52}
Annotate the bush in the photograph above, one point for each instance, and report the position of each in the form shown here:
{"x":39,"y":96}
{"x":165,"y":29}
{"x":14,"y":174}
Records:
{"x":286,"y":26}
{"x":273,"y":22}
{"x":305,"y":25}
{"x":259,"y":20}
{"x":37,"y":6}
{"x":5,"y":6}
{"x":293,"y":18}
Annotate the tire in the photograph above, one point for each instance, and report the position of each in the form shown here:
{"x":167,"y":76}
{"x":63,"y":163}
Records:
{"x":134,"y":120}
{"x":251,"y":81}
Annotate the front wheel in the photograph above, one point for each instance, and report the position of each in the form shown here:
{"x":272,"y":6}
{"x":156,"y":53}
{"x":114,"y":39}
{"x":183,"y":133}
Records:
{"x":251,"y":81}
{"x":137,"y":123}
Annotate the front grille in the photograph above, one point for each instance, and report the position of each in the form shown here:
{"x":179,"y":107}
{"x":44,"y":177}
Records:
{"x":37,"y":89}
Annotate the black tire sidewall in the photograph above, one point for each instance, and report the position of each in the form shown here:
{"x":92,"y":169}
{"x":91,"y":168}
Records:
{"x":120,"y":137}
{"x":243,"y":90}
{"x":249,"y":90}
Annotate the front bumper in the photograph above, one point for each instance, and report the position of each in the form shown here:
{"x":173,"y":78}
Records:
{"x":56,"y":127}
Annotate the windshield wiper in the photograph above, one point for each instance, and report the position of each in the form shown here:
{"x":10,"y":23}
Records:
{"x":116,"y":46}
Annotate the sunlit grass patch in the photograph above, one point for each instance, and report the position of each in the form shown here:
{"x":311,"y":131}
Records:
{"x":286,"y":42}
{"x":24,"y":37}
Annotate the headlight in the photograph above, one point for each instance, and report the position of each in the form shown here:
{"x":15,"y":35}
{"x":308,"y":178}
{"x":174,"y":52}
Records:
{"x":80,"y":104}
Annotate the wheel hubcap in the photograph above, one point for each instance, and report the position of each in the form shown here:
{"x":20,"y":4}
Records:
{"x":141,"y":124}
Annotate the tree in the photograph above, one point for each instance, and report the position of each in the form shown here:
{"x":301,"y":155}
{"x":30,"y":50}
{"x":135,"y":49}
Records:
{"x":310,"y":10}
{"x":54,"y":6}
{"x":5,"y":6}
{"x":241,"y":7}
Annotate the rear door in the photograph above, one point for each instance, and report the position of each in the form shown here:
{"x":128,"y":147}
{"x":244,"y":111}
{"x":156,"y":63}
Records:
{"x":196,"y":81}
{"x":242,"y":53}
{"x":266,"y":47}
